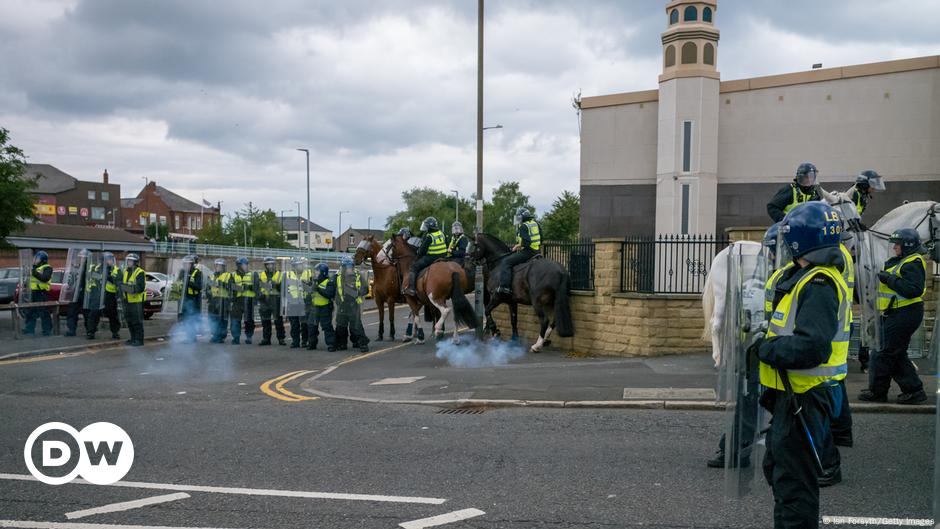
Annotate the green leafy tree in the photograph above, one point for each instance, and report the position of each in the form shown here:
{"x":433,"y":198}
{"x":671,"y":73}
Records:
{"x":562,"y":223}
{"x":16,"y":202}
{"x":424,"y":202}
{"x":260,"y":228}
{"x":214,"y":233}
{"x":498,"y":213}
{"x":157,"y":231}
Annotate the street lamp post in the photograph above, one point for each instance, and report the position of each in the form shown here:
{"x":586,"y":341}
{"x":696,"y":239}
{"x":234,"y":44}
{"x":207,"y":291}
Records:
{"x":283,"y":234}
{"x":339,"y":230}
{"x":478,"y":287}
{"x":369,"y":224}
{"x":456,"y":204}
{"x":307,"y":152}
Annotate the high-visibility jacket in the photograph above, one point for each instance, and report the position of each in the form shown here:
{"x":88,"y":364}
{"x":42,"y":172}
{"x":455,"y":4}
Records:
{"x":189,"y":284}
{"x":90,"y":282}
{"x":454,"y":241}
{"x":266,"y":279}
{"x":859,"y":201}
{"x":438,"y":244}
{"x":535,"y":236}
{"x":889,"y":299}
{"x":37,"y":284}
{"x":219,"y":287}
{"x":319,"y":299}
{"x":770,"y":287}
{"x":132,"y":281}
{"x":113,"y":275}
{"x":247,"y":283}
{"x":294,"y":288}
{"x":799,"y":197}
{"x":339,"y":287}
{"x":783,"y":322}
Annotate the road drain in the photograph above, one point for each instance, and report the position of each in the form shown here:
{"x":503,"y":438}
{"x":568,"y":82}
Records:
{"x":461,"y":411}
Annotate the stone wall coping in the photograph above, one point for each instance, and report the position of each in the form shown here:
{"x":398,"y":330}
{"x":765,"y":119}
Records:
{"x":585,"y":293}
{"x":608,"y":239}
{"x":640,"y":295}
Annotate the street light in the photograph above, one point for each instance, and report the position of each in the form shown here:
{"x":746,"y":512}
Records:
{"x":497,"y":126}
{"x":282,"y":224}
{"x":369,"y":224}
{"x":478,"y":286}
{"x":307,"y":152}
{"x":456,"y":204}
{"x":339,"y":231}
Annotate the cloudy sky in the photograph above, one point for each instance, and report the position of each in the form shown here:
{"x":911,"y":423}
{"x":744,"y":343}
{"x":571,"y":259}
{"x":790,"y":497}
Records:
{"x":212,"y":98}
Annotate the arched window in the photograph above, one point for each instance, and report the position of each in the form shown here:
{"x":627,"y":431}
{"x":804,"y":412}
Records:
{"x":673,"y":17}
{"x":707,"y":14}
{"x":690,"y":14}
{"x":708,"y":54}
{"x":670,"y":56}
{"x":689,"y":53}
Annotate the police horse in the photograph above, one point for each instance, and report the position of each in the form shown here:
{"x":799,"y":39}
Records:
{"x":541,"y":283}
{"x":924,"y":216}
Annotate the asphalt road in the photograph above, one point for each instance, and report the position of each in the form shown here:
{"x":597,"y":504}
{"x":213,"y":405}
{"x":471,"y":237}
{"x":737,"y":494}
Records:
{"x":202,"y":416}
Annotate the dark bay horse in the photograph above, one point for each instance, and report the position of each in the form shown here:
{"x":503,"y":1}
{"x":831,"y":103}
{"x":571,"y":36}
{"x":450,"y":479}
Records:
{"x":438,"y":282}
{"x":386,"y":285}
{"x":541,"y":283}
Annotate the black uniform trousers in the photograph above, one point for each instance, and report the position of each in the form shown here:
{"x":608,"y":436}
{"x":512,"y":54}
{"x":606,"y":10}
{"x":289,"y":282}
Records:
{"x":511,"y":260}
{"x":134,"y":314}
{"x":110,"y":310}
{"x":304,"y":325}
{"x":321,"y":317}
{"x":190,"y":316}
{"x":270,"y":309}
{"x":349,"y":323}
{"x":38,"y":313}
{"x":420,"y":264}
{"x":243,"y":308}
{"x":898,"y":326}
{"x":218,"y":309}
{"x":789,"y":465}
{"x":76,"y":309}
{"x":295,"y":323}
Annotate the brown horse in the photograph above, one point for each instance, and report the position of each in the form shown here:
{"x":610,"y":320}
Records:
{"x":438,"y":282}
{"x":386,"y":286}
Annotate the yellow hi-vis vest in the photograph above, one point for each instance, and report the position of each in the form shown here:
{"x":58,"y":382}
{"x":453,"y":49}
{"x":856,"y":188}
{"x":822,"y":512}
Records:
{"x":889,"y":299}
{"x":36,"y":284}
{"x":138,"y":297}
{"x":783,"y":322}
{"x":849,"y":273}
{"x":319,"y":299}
{"x":858,"y":201}
{"x":770,"y":287}
{"x":339,"y":287}
{"x":454,"y":241}
{"x":192,"y":277}
{"x":438,"y":243}
{"x":535,"y":238}
{"x":247,"y":282}
{"x":265,"y":279}
{"x":90,"y":282}
{"x":294,"y":289}
{"x":115,"y":273}
{"x":798,"y":198}
{"x":219,"y":288}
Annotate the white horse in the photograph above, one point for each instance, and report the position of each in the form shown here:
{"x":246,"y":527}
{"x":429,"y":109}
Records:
{"x":915,"y":215}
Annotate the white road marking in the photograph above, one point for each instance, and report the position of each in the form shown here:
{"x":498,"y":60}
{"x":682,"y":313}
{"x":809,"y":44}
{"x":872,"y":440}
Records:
{"x":79,"y":525}
{"x":249,"y":492}
{"x":862,"y":520}
{"x":442,"y":519}
{"x":398,"y":380}
{"x":127,"y":505}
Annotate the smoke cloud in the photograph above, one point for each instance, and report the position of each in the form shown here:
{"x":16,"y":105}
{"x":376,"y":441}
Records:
{"x":180,"y":358}
{"x":473,"y":353}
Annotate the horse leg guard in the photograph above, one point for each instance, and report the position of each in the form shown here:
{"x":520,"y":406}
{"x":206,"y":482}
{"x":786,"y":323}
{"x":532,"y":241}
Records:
{"x":408,"y":332}
{"x":420,"y":335}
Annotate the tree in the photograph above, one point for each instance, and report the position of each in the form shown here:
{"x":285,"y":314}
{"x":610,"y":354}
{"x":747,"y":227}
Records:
{"x":157,"y":231}
{"x":499,"y":213}
{"x":260,"y":228}
{"x":562,"y":223}
{"x":214,"y":233}
{"x":424,"y":202}
{"x":16,"y":201}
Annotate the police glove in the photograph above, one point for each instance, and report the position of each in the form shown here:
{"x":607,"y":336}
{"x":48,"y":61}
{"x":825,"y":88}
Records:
{"x":884,"y":277}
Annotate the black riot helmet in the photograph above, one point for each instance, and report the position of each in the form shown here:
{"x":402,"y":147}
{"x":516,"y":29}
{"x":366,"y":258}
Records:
{"x":908,"y":239}
{"x":806,"y":175}
{"x":869,"y":180}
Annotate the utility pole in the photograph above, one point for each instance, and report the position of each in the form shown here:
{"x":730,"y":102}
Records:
{"x":456,"y":204}
{"x":339,"y":231}
{"x":307,"y":152}
{"x":478,"y":288}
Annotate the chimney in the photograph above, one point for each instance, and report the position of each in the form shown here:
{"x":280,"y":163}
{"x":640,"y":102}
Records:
{"x":104,"y":177}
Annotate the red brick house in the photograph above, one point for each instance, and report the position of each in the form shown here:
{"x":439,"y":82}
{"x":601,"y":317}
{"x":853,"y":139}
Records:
{"x":156,"y":204}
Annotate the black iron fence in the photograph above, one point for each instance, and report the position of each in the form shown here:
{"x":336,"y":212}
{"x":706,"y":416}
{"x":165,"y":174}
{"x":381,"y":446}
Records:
{"x":670,"y":264}
{"x":578,"y":259}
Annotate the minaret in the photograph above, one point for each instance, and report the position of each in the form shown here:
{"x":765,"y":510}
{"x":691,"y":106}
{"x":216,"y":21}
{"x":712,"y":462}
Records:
{"x":687,"y":159}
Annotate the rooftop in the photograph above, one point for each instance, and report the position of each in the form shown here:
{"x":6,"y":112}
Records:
{"x":50,"y":180}
{"x":292,"y":223}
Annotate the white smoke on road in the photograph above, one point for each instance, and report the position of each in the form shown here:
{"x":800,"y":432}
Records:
{"x":473,"y":353}
{"x":180,"y":358}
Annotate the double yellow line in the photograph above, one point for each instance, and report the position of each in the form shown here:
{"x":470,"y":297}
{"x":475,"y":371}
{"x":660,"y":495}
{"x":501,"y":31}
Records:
{"x":280,"y":392}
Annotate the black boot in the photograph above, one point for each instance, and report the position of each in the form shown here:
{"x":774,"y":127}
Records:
{"x":717,"y":461}
{"x":867,"y":396}
{"x":917,"y":397}
{"x":410,"y":289}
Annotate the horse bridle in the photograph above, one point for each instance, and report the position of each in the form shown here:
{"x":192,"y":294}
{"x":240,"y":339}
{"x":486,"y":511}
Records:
{"x":929,"y":214}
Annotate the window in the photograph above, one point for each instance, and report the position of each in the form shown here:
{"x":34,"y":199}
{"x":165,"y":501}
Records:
{"x":686,"y":146}
{"x":708,"y":54}
{"x":91,"y":195}
{"x":97,"y":213}
{"x":127,"y":223}
{"x":153,"y":218}
{"x":292,"y":236}
{"x":685,"y":209}
{"x":670,"y":56}
{"x":105,"y":196}
{"x":673,"y":16}
{"x":352,"y":240}
{"x":689,"y":53}
{"x":690,"y":14}
{"x":142,"y":220}
{"x":176,"y":222}
{"x":163,"y":220}
{"x":707,"y":14}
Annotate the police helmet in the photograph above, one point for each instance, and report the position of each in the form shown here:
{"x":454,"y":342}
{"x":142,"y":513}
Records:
{"x":298,"y":262}
{"x":522,"y":215}
{"x":346,"y":262}
{"x":811,"y":226}
{"x":195,"y":259}
{"x":107,"y":257}
{"x":42,"y":257}
{"x":429,"y":224}
{"x":188,"y":259}
{"x":869,"y":179}
{"x":242,"y":263}
{"x":456,"y":228}
{"x":908,"y":239}
{"x":770,"y":237}
{"x":220,"y":265}
{"x":323,"y":269}
{"x":132,"y":259}
{"x":806,"y":175}
{"x":405,"y":233}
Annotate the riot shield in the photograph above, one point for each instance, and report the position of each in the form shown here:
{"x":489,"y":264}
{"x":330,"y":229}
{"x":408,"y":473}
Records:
{"x":866,"y":288}
{"x":935,"y":350}
{"x":94,"y":282}
{"x":292,"y":290}
{"x":782,"y":253}
{"x":177,"y":281}
{"x":72,"y":278}
{"x":26,"y":271}
{"x":743,"y":320}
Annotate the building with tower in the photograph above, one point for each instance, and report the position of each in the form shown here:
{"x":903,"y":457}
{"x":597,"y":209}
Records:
{"x":699,"y":155}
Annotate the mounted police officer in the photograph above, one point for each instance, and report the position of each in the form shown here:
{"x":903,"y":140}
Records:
{"x":433,"y":247}
{"x":457,"y":248}
{"x":321,"y":311}
{"x":866,"y":183}
{"x":350,"y":289}
{"x":269,"y":297}
{"x":901,"y":301}
{"x":805,"y":349}
{"x":802,"y":189}
{"x":528,"y":244}
{"x":39,"y":286}
{"x":242,"y":284}
{"x":133,"y":291}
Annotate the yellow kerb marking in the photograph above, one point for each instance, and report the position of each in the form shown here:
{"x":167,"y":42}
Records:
{"x":279,"y":392}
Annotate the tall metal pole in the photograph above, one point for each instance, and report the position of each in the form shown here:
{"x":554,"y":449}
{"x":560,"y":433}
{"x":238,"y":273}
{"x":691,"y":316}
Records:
{"x":339,"y":230}
{"x":456,"y":204}
{"x":478,"y":288}
{"x":307,"y":152}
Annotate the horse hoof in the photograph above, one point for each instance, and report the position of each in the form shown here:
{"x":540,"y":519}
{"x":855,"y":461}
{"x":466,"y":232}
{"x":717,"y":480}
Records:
{"x":547,"y":343}
{"x":534,"y":350}
{"x":438,"y":335}
{"x":406,"y":339}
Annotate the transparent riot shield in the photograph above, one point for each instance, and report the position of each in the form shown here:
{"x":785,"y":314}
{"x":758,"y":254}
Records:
{"x":292,"y":290}
{"x":219,"y":290}
{"x":73,"y":276}
{"x":177,"y":281}
{"x":866,"y":288}
{"x":94,"y":282}
{"x":782,"y":254}
{"x":935,"y":350}
{"x":743,"y":321}
{"x":26,"y":270}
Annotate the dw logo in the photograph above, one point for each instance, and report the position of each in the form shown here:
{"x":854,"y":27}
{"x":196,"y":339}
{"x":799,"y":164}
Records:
{"x":101,"y":453}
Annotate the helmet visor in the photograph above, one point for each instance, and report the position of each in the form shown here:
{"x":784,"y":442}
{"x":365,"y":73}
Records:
{"x":517,"y":219}
{"x":876,"y":184}
{"x":807,"y":179}
{"x":424,"y":226}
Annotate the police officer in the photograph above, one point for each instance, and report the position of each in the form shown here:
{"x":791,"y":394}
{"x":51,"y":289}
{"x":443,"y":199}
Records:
{"x":528,"y":243}
{"x":294,"y":292}
{"x":306,"y":282}
{"x":802,"y":189}
{"x":77,"y":304}
{"x":806,"y":346}
{"x":457,"y":248}
{"x":39,"y":286}
{"x":269,"y":289}
{"x":219,"y":301}
{"x":350,"y":289}
{"x":112,"y":276}
{"x":866,"y":183}
{"x":133,"y":289}
{"x":321,"y":312}
{"x":192,"y":298}
{"x":95,"y":281}
{"x":242,"y":283}
{"x":901,"y":300}
{"x":433,"y":247}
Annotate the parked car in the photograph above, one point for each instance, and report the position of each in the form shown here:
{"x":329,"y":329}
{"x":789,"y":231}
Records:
{"x":153,"y":303}
{"x":9,"y":279}
{"x":157,"y":281}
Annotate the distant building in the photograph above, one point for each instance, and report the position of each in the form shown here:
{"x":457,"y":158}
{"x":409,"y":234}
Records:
{"x":295,"y":229}
{"x":350,"y":238}
{"x":60,"y":198}
{"x":156,"y":204}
